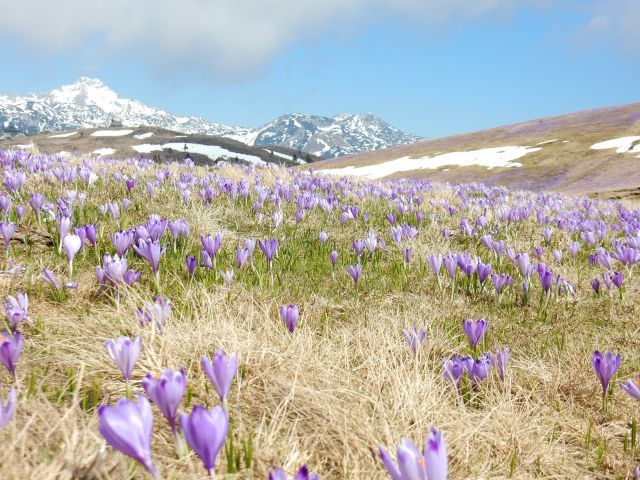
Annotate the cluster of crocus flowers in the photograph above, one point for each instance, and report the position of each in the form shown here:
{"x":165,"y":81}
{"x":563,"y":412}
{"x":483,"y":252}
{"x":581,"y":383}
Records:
{"x":454,"y":367}
{"x":155,"y":312}
{"x":412,"y":464}
{"x":127,"y":426}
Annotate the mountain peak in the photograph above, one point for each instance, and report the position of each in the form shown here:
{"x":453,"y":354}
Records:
{"x":89,"y":103}
{"x":89,"y":82}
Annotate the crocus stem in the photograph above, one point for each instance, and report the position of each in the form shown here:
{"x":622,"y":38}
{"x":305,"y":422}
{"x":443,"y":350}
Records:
{"x":212,"y":474}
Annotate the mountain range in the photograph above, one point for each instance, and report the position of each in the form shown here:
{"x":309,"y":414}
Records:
{"x":89,"y":103}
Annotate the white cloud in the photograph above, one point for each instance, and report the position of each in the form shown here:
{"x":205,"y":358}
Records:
{"x":617,"y":22}
{"x":227,"y":38}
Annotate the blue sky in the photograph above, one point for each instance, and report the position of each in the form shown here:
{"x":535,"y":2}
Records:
{"x":434,"y":76}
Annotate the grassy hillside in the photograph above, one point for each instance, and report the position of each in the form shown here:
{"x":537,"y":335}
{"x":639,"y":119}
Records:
{"x":85,"y":142}
{"x":344,"y":381}
{"x":566,"y":164}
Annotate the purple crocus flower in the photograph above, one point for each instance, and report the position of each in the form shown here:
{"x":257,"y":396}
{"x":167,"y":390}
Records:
{"x":431,"y":464}
{"x":451,"y":263}
{"x":435,"y":262}
{"x":82,"y":233}
{"x":323,"y":237}
{"x":242,"y":256}
{"x":212,"y":244}
{"x":250,"y":245}
{"x":179,"y":229}
{"x":524,"y":264}
{"x":36,"y":201}
{"x":355,"y":271}
{"x":220,"y":371}
{"x":500,"y":282}
{"x":8,"y":410}
{"x":617,"y":279}
{"x":205,"y":432}
{"x":435,"y":456}
{"x":16,"y":309}
{"x":303,"y":474}
{"x":121,"y":241}
{"x":20,"y":210}
{"x":157,"y":311}
{"x":334,"y":257}
{"x":191,"y":264}
{"x":48,"y":277}
{"x":166,"y":391}
{"x":452,"y":370}
{"x":480,"y":368}
{"x":546,"y":277}
{"x":631,"y":386}
{"x":124,"y":353}
{"x":483,"y":270}
{"x":595,"y":284}
{"x":127,"y":428}
{"x":499,"y":361}
{"x":475,"y":330}
{"x":290,"y":314}
{"x":414,"y":337}
{"x":605,"y":367}
{"x":269,"y":248}
{"x":151,"y":251}
{"x":358,"y":246}
{"x":8,"y":230}
{"x":10,"y":348}
{"x":90,"y":232}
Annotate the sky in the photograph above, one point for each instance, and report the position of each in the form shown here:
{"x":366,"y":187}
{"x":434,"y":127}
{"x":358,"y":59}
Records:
{"x":429,"y":67}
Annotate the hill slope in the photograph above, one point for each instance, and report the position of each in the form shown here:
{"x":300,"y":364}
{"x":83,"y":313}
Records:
{"x":155,"y":143}
{"x":89,"y":103}
{"x":593,"y":151}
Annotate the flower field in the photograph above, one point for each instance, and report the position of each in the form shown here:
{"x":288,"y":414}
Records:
{"x":174,"y":321}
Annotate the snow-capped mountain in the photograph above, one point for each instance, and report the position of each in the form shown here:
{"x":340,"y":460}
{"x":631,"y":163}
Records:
{"x":89,"y":103}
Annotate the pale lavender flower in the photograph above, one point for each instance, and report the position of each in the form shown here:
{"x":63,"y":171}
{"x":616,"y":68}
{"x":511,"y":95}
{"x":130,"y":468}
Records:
{"x":127,"y":428}
{"x":8,"y":410}
{"x":124,"y":353}
{"x":220,"y":371}
{"x":205,"y":432}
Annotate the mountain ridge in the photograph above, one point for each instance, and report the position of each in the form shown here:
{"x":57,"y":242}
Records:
{"x":89,"y":103}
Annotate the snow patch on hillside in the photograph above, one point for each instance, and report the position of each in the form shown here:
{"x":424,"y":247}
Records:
{"x":104,"y":151}
{"x":142,"y":136}
{"x":622,"y":145}
{"x":498,"y":157}
{"x":63,"y":135}
{"x":111,"y":133}
{"x":212,"y":151}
